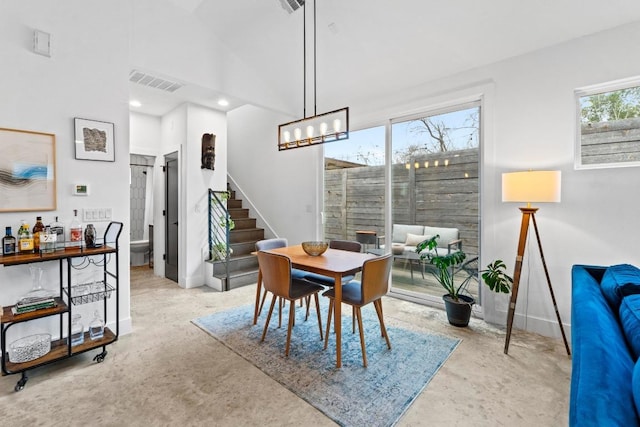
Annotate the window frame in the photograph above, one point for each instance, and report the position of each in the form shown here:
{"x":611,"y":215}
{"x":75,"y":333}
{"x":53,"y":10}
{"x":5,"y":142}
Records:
{"x":593,"y":90}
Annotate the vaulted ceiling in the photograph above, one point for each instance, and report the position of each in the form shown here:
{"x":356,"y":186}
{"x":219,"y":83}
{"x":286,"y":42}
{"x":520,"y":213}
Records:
{"x":367,"y":47}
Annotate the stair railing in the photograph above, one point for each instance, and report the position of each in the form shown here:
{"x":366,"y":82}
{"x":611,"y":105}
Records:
{"x":220,"y":224}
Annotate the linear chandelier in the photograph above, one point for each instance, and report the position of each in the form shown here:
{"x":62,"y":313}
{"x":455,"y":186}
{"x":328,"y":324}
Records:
{"x":319,"y":128}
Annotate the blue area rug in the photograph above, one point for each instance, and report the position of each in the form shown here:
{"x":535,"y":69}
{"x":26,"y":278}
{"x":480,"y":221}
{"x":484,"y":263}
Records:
{"x":353,"y":395}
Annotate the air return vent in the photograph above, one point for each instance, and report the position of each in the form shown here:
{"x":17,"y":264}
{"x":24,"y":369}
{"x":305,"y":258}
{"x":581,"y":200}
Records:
{"x":292,"y":5}
{"x":144,"y":79}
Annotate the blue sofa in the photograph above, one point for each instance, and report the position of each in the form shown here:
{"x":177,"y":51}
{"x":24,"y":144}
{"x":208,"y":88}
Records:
{"x":605,"y":336}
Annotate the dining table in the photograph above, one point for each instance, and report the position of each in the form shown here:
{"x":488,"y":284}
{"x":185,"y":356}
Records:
{"x":334,"y":263}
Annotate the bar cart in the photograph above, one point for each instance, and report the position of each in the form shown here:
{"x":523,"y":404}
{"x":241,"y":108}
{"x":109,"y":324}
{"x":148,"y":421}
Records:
{"x":107,"y":254}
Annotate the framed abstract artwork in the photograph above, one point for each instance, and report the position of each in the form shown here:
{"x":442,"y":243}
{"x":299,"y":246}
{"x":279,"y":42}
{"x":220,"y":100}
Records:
{"x":27,"y":171}
{"x":94,"y":140}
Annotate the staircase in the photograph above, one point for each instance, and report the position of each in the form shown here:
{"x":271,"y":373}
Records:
{"x":243,"y":266}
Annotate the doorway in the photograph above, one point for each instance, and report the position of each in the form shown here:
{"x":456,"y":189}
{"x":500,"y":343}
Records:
{"x":171,"y":216}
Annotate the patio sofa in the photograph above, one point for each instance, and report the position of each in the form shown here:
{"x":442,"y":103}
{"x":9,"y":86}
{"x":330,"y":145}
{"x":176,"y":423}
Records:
{"x":411,"y":235}
{"x":605,"y":335}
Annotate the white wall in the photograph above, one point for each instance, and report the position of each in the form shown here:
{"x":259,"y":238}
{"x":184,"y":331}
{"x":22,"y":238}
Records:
{"x":145,"y":136}
{"x":181,"y":130}
{"x":529,"y":123}
{"x":282,"y":184}
{"x":86,"y":76}
{"x":197,"y":182}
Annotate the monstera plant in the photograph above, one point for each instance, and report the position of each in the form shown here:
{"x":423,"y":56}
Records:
{"x":457,"y":303}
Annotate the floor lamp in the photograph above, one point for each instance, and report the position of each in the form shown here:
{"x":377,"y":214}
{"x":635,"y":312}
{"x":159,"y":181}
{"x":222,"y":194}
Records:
{"x":530,"y":186}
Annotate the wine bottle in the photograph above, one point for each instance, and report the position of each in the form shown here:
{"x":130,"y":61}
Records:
{"x":58,"y":228}
{"x":25,"y":239}
{"x":8,"y":243}
{"x":37,"y":231}
{"x":75,"y":231}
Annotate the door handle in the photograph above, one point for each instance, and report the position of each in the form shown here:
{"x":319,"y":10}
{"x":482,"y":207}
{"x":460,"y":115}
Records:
{"x":175,"y":223}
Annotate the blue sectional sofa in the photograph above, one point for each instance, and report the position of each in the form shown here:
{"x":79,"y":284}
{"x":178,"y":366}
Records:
{"x":605,"y":335}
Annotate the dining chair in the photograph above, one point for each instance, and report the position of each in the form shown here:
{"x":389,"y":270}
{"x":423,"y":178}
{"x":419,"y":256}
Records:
{"x":373,"y":286}
{"x":344,"y":245}
{"x":265,"y":245}
{"x":277,"y":279}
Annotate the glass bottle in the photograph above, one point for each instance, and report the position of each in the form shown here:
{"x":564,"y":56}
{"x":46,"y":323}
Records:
{"x":96,"y":327}
{"x":47,"y":241}
{"x":77,"y":330}
{"x":25,"y":239}
{"x":75,"y":231}
{"x":8,"y":243}
{"x":58,"y":228}
{"x":37,"y":231}
{"x":90,"y":236}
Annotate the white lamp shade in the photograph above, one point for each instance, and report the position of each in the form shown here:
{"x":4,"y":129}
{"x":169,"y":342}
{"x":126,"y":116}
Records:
{"x":531,"y":186}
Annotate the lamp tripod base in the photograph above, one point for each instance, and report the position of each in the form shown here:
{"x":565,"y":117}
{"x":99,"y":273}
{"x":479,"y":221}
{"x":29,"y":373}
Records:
{"x":527,"y":215}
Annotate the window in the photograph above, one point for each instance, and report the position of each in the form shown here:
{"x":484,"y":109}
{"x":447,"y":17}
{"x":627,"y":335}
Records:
{"x":608,"y":125}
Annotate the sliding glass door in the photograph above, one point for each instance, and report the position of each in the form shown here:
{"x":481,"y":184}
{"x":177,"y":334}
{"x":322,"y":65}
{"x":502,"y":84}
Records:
{"x":435,"y":190}
{"x":433,"y":169}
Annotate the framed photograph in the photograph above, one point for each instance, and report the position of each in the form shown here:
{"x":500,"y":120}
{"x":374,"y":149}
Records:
{"x":94,"y":140}
{"x":27,"y":171}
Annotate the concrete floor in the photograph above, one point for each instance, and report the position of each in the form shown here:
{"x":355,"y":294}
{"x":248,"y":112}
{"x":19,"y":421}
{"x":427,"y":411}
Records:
{"x":169,"y":372}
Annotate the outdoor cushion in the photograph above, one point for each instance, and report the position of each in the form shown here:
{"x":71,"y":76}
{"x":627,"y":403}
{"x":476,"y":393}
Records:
{"x":415,"y":239}
{"x":630,"y":321}
{"x":618,"y":281}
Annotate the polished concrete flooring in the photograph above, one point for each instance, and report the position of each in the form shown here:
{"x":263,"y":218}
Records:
{"x":168,"y":372}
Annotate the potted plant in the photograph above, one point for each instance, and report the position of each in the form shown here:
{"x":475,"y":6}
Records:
{"x":457,"y":304}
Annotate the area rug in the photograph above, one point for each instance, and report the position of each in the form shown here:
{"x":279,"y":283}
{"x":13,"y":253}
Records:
{"x":352,"y":395}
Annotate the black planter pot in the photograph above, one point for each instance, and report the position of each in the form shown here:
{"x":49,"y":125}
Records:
{"x":458,"y":312}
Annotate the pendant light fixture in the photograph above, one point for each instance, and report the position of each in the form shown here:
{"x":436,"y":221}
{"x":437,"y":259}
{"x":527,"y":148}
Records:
{"x":319,"y":128}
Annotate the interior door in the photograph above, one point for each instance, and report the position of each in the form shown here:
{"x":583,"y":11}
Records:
{"x":171,"y":216}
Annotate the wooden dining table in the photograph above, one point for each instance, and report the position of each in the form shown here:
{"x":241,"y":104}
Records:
{"x":334,"y":263}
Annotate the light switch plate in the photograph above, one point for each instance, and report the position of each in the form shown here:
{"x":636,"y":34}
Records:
{"x":42,"y":43}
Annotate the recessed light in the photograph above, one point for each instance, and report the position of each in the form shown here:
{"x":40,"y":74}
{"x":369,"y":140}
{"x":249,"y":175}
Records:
{"x":135,"y":103}
{"x":223,"y":102}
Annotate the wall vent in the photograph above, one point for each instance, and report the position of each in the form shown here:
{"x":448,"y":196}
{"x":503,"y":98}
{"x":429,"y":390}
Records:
{"x":292,"y":5}
{"x":144,"y":79}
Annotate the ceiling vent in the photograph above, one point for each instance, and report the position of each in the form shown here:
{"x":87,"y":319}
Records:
{"x":292,"y":5}
{"x":144,"y":79}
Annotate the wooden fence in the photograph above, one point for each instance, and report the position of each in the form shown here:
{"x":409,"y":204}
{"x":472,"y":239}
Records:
{"x":610,"y":142}
{"x":439,"y":190}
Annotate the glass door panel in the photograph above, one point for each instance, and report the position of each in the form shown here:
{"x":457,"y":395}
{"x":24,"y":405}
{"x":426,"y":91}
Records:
{"x":354,"y":187}
{"x":435,"y":190}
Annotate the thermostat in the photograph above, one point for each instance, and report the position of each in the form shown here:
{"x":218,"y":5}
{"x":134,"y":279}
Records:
{"x":80,"y":190}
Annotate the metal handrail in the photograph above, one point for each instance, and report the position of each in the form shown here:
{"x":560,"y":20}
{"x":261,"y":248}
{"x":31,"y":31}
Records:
{"x":220,"y":224}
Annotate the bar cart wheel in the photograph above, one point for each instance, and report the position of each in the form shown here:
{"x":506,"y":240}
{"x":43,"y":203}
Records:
{"x":100,"y":357}
{"x":21,"y":382}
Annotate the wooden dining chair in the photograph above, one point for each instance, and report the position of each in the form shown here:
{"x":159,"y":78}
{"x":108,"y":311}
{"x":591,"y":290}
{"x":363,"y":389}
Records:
{"x":277,"y":279}
{"x":264,"y":245}
{"x":344,"y":245}
{"x":373,"y":286}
